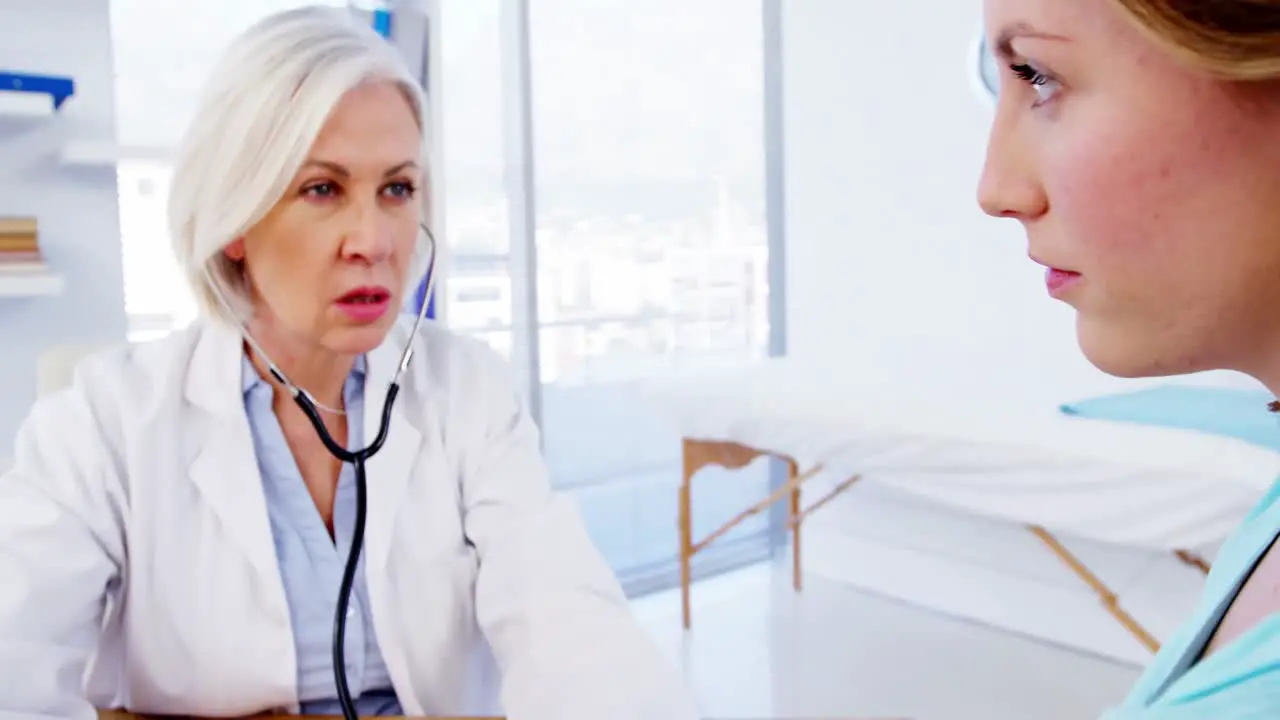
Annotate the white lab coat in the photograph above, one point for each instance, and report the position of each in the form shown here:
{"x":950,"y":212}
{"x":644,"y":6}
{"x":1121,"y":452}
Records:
{"x":133,"y":521}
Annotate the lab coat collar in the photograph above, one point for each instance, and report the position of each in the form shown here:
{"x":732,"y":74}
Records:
{"x":224,"y":467}
{"x":214,"y":372}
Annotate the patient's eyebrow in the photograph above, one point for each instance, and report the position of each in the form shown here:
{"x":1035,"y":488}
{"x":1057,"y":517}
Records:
{"x":1003,"y":46}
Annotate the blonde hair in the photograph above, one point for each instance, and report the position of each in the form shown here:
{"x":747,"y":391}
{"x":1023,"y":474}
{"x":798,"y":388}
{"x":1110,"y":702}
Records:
{"x":267,"y":100}
{"x":1231,"y":39}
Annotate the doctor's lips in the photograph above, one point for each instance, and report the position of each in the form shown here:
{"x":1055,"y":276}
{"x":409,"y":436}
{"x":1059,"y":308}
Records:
{"x":365,"y":304}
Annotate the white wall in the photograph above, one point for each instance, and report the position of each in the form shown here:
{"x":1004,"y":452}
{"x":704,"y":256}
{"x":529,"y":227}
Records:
{"x":889,"y":258}
{"x":893,"y":270}
{"x":76,"y":207}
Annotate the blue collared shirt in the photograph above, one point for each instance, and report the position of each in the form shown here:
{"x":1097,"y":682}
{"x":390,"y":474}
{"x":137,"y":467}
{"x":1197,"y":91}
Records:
{"x":311,"y":562}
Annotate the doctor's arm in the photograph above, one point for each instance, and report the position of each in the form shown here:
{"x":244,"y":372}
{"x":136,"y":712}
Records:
{"x":554,"y":614}
{"x":60,"y":548}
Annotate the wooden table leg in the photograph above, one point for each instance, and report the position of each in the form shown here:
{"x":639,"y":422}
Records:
{"x":796,"y":520}
{"x":1108,"y":597}
{"x":733,"y":456}
{"x":697,"y":455}
{"x":686,"y":538}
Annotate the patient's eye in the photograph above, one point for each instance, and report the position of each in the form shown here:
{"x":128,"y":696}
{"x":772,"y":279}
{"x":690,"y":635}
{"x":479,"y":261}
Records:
{"x":1043,"y":85}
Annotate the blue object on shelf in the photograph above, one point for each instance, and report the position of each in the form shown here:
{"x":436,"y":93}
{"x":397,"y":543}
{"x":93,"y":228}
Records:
{"x":59,"y":88}
{"x":382,"y":22}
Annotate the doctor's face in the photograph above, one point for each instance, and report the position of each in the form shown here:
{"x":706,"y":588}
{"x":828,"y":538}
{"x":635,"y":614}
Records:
{"x":1152,"y":189}
{"x":327,"y":266}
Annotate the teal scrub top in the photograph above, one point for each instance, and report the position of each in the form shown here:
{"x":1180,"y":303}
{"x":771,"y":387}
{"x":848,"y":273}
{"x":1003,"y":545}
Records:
{"x":1241,"y":680}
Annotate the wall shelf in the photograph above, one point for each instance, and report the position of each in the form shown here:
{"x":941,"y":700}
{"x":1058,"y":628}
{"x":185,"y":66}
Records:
{"x":28,"y":95}
{"x":87,"y":153}
{"x":30,"y":285}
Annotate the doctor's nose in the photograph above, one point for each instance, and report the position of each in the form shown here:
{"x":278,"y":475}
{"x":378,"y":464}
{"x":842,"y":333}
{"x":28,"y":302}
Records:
{"x":368,"y":235}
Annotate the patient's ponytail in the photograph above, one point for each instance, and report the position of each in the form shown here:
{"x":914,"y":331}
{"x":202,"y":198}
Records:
{"x":1231,"y":39}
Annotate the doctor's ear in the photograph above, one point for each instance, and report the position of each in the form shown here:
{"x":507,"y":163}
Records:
{"x":235,"y":250}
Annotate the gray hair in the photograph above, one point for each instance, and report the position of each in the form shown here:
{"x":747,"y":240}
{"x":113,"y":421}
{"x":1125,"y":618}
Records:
{"x":267,"y":100}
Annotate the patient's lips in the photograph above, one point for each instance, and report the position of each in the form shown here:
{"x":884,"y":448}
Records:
{"x":1058,"y":281}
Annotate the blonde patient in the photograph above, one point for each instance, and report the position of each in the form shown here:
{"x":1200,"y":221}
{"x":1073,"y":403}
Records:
{"x":173,"y":531}
{"x":1138,"y":143}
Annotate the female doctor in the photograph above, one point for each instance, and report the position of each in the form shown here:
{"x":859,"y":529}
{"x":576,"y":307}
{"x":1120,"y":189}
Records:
{"x":173,"y":532}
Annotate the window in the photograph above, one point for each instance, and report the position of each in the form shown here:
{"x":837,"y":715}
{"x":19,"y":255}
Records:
{"x":476,"y":280}
{"x":651,"y":252}
{"x":649,"y":187}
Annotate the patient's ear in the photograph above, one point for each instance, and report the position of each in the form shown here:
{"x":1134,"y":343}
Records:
{"x":235,"y":249}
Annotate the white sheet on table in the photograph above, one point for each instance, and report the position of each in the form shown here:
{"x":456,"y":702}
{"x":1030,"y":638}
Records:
{"x":1002,"y":450}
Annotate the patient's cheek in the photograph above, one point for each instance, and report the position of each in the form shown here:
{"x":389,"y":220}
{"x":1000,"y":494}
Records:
{"x":1124,"y":202}
{"x":1165,"y":231}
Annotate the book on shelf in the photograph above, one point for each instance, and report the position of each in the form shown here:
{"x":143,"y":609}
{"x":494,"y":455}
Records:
{"x":20,"y":247}
{"x":18,"y":227}
{"x":15,"y":247}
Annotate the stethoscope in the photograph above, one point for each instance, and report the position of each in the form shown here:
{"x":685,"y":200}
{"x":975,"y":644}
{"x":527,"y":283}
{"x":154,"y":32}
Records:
{"x":358,"y":458}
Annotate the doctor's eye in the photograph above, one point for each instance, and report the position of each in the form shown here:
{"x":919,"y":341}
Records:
{"x":322,"y":190}
{"x":400,"y":190}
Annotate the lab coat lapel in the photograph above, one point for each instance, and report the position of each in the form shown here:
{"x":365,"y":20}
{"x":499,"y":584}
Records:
{"x":388,"y":472}
{"x":223,"y":463}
